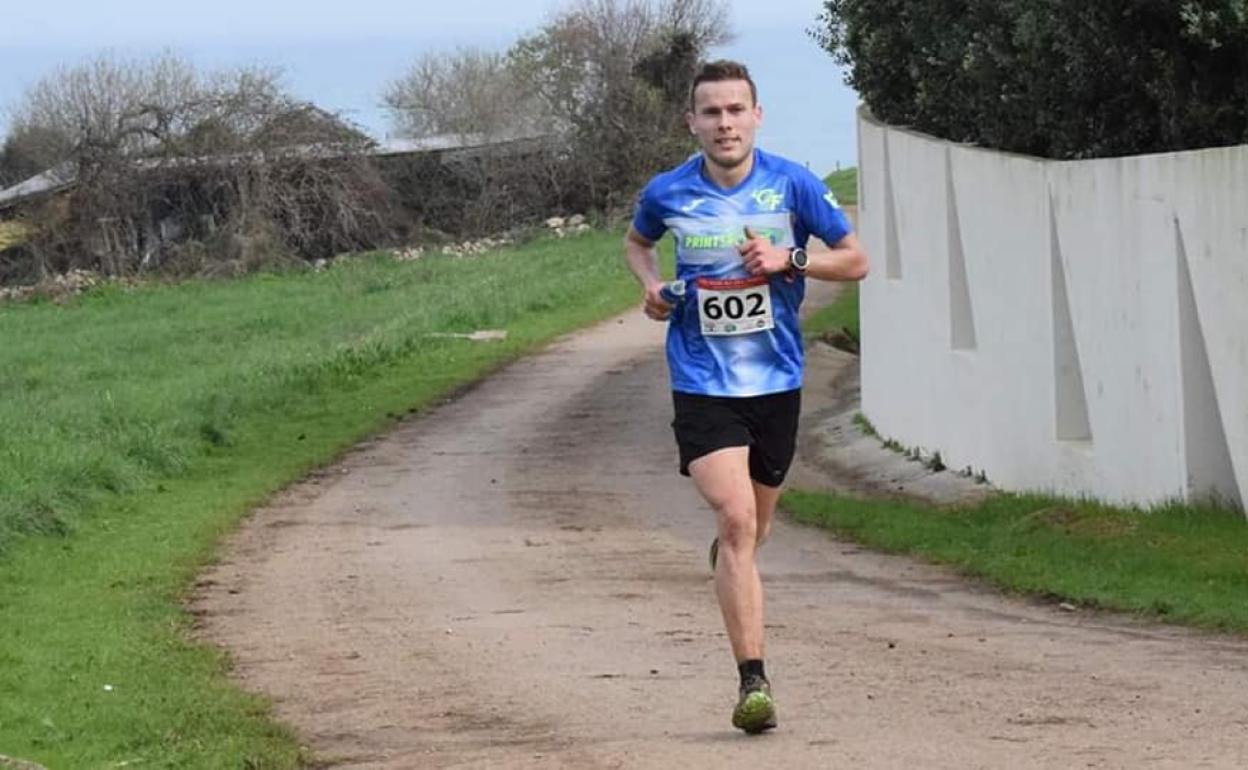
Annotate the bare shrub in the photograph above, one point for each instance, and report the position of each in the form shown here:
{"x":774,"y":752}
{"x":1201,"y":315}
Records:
{"x":598,"y":91}
{"x":161,"y":155}
{"x":616,"y":74}
{"x":468,"y":92}
{"x":29,"y":150}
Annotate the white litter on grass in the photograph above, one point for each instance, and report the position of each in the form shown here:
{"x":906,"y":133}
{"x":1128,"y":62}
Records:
{"x":108,"y":688}
{"x":481,"y":335}
{"x":572,"y":225}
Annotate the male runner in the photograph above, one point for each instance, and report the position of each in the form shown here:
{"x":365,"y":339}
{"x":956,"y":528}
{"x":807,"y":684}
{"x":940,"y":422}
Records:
{"x":741,"y":218}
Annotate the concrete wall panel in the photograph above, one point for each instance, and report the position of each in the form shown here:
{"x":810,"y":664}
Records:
{"x":1117,"y":244}
{"x":1210,"y":201}
{"x":1046,"y":321}
{"x":1003,"y":379}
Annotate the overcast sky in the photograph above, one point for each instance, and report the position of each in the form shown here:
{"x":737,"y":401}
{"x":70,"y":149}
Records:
{"x":342,"y":55}
{"x":159,"y":21}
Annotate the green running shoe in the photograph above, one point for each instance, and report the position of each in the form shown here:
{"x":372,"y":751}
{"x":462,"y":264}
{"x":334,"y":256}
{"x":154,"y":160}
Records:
{"x":714,"y":553}
{"x":756,"y":710}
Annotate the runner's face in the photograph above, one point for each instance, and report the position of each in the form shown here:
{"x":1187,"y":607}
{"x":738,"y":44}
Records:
{"x":724,"y":119}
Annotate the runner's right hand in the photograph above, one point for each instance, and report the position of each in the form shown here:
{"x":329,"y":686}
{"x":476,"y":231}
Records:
{"x":653,"y":304}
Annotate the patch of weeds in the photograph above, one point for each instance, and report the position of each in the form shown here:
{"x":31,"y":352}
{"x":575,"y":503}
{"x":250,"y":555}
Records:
{"x":864,"y":425}
{"x":844,"y":339}
{"x":980,"y":477}
{"x":932,"y":461}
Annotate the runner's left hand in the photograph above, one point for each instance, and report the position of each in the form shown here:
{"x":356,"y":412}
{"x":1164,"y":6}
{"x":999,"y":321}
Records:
{"x":760,"y":256}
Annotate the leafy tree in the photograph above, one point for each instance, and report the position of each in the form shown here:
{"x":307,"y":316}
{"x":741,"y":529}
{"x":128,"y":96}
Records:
{"x":1056,"y":78}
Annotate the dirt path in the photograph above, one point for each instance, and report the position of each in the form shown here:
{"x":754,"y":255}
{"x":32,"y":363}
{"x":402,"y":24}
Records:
{"x":518,"y":579}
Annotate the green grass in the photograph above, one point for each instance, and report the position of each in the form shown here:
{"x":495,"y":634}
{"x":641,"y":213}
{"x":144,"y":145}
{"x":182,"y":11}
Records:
{"x":841,"y":313}
{"x":844,"y":185}
{"x":138,"y":427}
{"x":1173,"y":563}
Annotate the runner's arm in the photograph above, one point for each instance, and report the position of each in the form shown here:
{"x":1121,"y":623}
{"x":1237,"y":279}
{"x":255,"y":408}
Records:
{"x":843,"y":261}
{"x":817,"y":208}
{"x":643,"y":260}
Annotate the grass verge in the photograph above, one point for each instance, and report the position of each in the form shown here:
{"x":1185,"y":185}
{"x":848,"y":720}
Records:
{"x":837,"y":323}
{"x":840,"y":316}
{"x":1174,"y":563}
{"x":140,"y":425}
{"x":844,"y":185}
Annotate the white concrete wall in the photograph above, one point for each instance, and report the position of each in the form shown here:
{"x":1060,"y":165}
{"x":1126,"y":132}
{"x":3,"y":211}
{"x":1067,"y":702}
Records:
{"x":1070,"y":327}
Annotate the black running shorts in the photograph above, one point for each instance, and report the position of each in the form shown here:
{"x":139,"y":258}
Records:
{"x":766,"y":424}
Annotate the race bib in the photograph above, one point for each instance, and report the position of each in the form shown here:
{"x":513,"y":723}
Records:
{"x":734,"y":306}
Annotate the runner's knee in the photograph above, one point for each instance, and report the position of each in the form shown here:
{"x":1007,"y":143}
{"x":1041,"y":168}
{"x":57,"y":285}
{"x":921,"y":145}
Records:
{"x":738,"y":525}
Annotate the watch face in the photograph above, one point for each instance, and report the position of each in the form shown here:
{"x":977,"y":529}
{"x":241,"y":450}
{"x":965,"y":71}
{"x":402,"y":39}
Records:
{"x":799,"y":258}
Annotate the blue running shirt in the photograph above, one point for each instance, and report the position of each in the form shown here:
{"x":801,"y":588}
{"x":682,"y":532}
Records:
{"x":780,"y":200}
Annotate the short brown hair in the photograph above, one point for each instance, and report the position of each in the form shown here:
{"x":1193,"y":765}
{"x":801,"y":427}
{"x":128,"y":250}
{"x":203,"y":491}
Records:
{"x":723,"y":69}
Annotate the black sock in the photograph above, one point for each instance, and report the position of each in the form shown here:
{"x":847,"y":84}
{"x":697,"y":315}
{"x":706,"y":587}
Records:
{"x":752,"y":667}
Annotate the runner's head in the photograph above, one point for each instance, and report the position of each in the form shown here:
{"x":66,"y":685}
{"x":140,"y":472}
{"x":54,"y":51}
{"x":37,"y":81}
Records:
{"x":724,"y":113}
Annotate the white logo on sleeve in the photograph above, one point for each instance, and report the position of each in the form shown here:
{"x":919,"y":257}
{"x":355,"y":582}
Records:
{"x":693,"y":204}
{"x":831,"y":199}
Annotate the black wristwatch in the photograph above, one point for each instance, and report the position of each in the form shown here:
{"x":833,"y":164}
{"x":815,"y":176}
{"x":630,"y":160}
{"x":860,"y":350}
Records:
{"x":799,"y":260}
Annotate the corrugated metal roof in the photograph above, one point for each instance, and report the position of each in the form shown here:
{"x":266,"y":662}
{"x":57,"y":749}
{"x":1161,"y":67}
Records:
{"x":49,"y":181}
{"x":443,"y":142}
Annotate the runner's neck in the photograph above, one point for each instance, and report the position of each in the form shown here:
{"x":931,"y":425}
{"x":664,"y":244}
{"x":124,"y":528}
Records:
{"x":728,"y":178}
